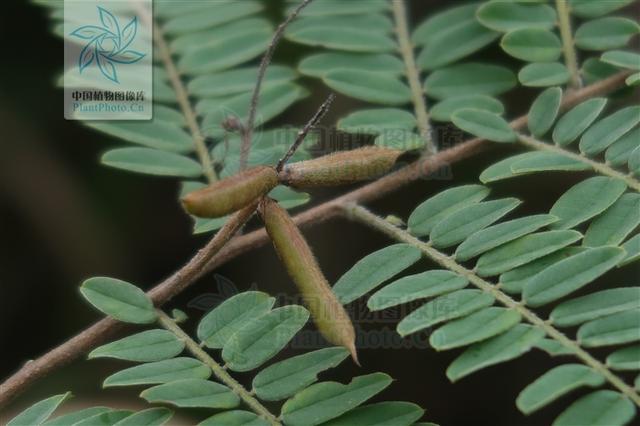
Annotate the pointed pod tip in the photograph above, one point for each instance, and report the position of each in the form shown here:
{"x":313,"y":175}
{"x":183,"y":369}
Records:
{"x":354,"y":353}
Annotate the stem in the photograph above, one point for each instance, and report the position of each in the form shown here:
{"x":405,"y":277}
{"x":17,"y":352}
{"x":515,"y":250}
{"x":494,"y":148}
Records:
{"x":568,"y":46}
{"x":411,"y":71}
{"x":255,"y":97}
{"x":366,"y":217}
{"x":214,"y":254}
{"x":192,"y":346}
{"x":185,"y":105}
{"x":601,"y":168}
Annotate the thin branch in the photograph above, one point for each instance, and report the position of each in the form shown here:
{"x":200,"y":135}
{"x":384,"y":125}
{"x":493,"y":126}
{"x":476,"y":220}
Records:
{"x":302,"y":134}
{"x":366,"y":217}
{"x":568,"y":45}
{"x":412,"y":73}
{"x":601,"y":168}
{"x":104,"y":329}
{"x":185,"y":105}
{"x":192,"y":346}
{"x":207,"y":259}
{"x":247,"y":134}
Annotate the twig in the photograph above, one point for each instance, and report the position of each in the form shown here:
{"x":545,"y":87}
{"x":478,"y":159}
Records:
{"x":302,"y":134}
{"x":366,"y":217}
{"x":568,"y":46}
{"x":183,"y":100}
{"x":601,"y":168}
{"x":168,"y":323}
{"x":247,"y":133}
{"x":412,"y":73}
{"x":106,"y":328}
{"x":207,"y":259}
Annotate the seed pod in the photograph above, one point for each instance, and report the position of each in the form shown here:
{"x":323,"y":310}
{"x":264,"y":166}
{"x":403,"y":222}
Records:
{"x":232,"y":193}
{"x":340,"y":168}
{"x":327,"y":312}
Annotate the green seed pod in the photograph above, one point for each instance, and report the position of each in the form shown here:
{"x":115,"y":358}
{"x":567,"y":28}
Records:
{"x":232,"y":193}
{"x":340,"y":168}
{"x":327,"y":312}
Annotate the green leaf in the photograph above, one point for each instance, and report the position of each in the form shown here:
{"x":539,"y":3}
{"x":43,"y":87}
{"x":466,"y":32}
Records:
{"x":443,"y":110}
{"x":497,"y":235}
{"x":148,"y":346}
{"x":509,"y":16}
{"x":502,"y":169}
{"x":632,"y":248}
{"x":585,"y":200}
{"x":458,"y":42}
{"x":468,"y":220}
{"x":413,"y":287}
{"x":504,"y":347}
{"x":220,"y":57}
{"x":444,"y":308}
{"x":234,"y":418}
{"x":553,"y":347}
{"x":240,"y":80}
{"x":616,"y":223}
{"x":469,"y":78}
{"x":374,"y":269}
{"x":478,"y":326}
{"x":625,"y":359}
{"x":570,"y":274}
{"x":320,"y":64}
{"x":541,"y":161}
{"x":594,"y":9}
{"x":532,"y":45}
{"x":151,"y":161}
{"x":633,"y":79}
{"x":443,"y":22}
{"x":263,"y":337}
{"x":543,"y":74}
{"x":289,"y":198}
{"x":619,"y":152}
{"x":608,"y":130}
{"x":554,"y":384}
{"x":368,"y":86}
{"x":156,"y":134}
{"x":339,"y":7}
{"x":593,"y":70}
{"x":363,"y":33}
{"x":435,"y":209}
{"x":216,"y":14}
{"x":149,"y":417}
{"x":285,"y":378}
{"x":192,"y":393}
{"x":168,"y":115}
{"x":601,"y":407}
{"x":605,"y":33}
{"x":159,"y":372}
{"x":634,"y":161}
{"x":622,"y":59}
{"x":595,"y":305}
{"x":485,"y":125}
{"x":614,"y":329}
{"x":121,"y":300}
{"x":394,"y":413}
{"x":577,"y":120}
{"x":514,"y":280}
{"x":108,"y":418}
{"x":76,"y":416}
{"x":400,"y":140}
{"x":327,"y":400}
{"x":523,"y":250}
{"x":377,"y":121}
{"x":221,"y":323}
{"x":39,"y":412}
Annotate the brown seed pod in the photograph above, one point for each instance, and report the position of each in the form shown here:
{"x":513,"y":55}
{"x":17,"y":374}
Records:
{"x":340,"y":168}
{"x":327,"y":312}
{"x":232,"y":193}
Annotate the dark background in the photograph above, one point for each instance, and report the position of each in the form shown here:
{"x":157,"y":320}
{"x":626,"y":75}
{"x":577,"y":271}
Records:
{"x":64,"y":218}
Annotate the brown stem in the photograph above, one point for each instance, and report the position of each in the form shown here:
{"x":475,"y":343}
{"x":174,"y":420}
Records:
{"x":247,"y":133}
{"x":214,"y":254}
